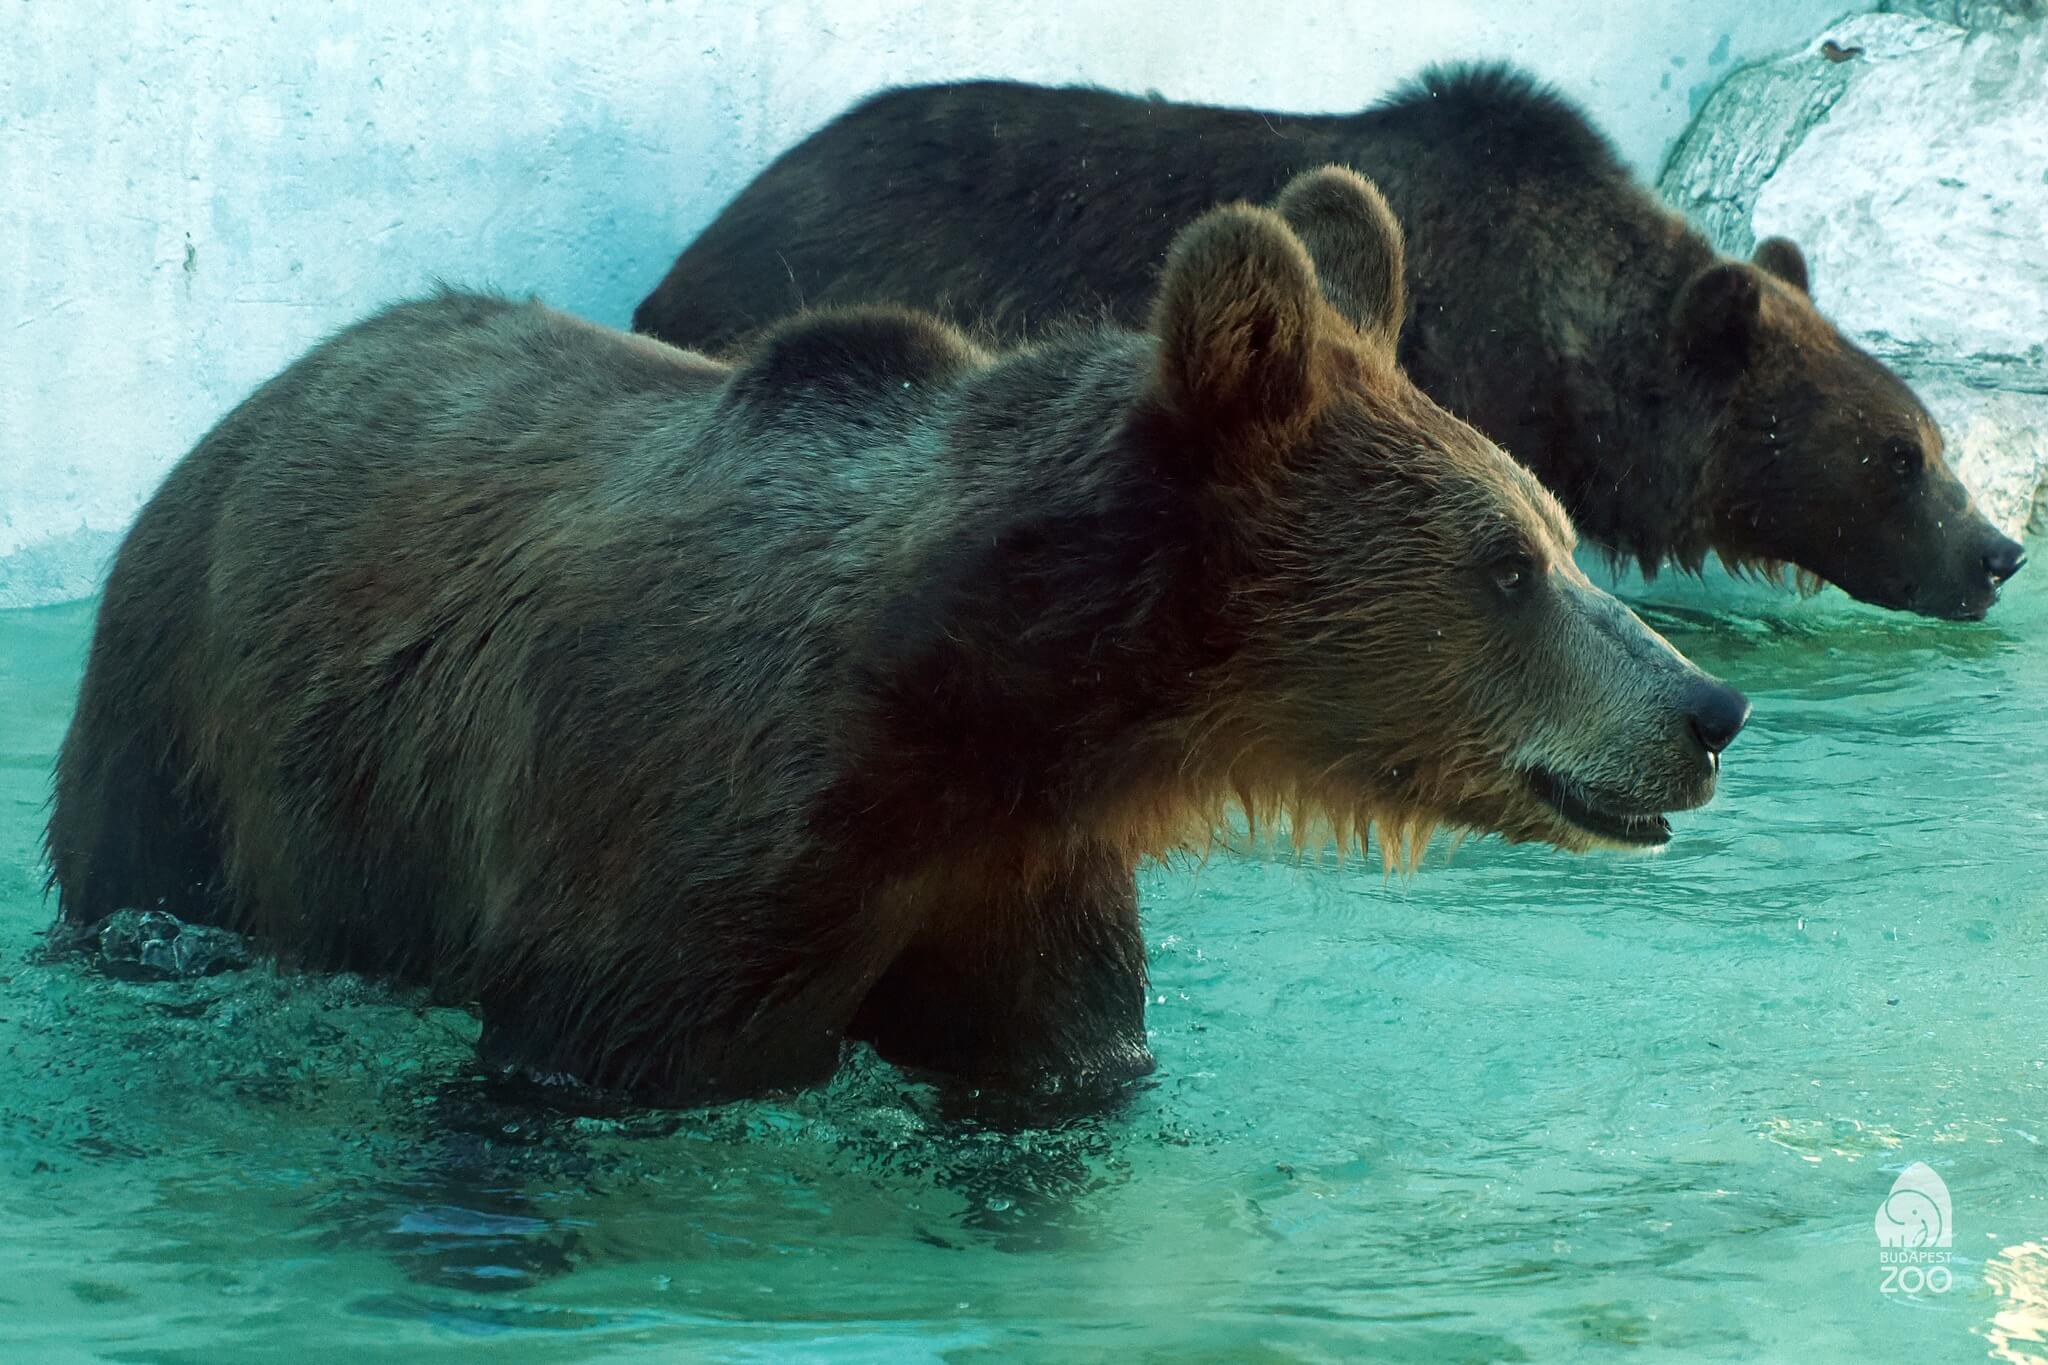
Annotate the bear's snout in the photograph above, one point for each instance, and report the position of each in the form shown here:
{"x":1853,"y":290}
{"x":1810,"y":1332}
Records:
{"x":2005,"y":558}
{"x":1715,"y":713}
{"x":1970,"y":588}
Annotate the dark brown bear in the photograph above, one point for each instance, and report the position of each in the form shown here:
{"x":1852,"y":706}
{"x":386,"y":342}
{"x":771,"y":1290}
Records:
{"x":693,"y":720}
{"x":1677,"y":401}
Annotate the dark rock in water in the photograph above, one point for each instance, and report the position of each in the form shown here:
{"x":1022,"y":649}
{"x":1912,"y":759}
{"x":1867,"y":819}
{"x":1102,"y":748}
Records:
{"x":155,"y":945}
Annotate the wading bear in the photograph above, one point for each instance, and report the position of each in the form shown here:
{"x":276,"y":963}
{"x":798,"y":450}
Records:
{"x":692,"y":720}
{"x":1676,"y":401}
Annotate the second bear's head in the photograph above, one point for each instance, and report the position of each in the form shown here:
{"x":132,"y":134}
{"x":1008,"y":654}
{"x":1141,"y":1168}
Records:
{"x":1409,"y":641}
{"x":1820,"y":456}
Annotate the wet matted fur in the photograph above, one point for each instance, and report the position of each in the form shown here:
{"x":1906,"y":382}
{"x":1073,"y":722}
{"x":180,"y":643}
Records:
{"x":693,"y":719}
{"x":1676,"y":401}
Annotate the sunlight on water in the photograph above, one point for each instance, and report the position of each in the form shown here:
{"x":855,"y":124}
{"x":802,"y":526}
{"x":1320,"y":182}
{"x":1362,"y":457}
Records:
{"x":1520,"y":1106}
{"x":2019,"y":1331}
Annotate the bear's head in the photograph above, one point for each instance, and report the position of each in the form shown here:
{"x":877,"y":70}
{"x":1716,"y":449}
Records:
{"x":1821,"y":456}
{"x":1409,"y":642}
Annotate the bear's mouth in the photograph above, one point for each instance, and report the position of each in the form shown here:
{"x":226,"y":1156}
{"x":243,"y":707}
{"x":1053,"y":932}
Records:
{"x":1581,"y":809}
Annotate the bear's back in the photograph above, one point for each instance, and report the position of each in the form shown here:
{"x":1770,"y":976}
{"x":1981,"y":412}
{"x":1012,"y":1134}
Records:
{"x":585,"y":570}
{"x":998,"y":205}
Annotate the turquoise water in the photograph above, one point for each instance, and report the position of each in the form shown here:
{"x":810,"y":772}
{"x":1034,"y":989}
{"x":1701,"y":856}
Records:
{"x":1522,"y":1106}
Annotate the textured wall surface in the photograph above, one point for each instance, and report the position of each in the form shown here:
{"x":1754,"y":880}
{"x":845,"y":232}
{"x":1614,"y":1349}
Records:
{"x":198,"y":190}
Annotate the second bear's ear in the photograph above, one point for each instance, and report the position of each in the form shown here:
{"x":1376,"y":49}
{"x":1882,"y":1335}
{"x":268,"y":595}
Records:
{"x":1782,"y":257}
{"x":1716,"y":318}
{"x":1236,"y":322}
{"x":1355,"y":241}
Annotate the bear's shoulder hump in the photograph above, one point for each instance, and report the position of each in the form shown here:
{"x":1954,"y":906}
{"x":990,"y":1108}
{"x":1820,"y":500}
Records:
{"x":1501,"y":115}
{"x":857,"y":351}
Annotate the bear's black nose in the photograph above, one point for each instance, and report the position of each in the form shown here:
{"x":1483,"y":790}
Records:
{"x":2004,"y":559}
{"x":1716,"y":713}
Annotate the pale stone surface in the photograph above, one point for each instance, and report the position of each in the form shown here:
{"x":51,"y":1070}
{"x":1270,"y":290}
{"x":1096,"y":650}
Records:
{"x":1998,"y":446}
{"x":1908,"y":156}
{"x":1972,"y":13}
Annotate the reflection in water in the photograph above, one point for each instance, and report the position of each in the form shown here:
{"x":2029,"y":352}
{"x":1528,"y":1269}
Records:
{"x":2018,"y":1331}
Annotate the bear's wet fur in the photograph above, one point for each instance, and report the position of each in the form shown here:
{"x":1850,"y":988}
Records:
{"x":691,"y":720}
{"x":1678,"y":402}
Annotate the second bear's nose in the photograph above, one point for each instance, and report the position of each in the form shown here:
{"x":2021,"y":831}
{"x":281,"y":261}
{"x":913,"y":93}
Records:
{"x":1716,"y":713}
{"x":2004,"y":559}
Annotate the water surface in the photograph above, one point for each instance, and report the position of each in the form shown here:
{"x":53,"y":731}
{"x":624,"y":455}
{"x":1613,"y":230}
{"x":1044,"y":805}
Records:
{"x":1521,"y":1106}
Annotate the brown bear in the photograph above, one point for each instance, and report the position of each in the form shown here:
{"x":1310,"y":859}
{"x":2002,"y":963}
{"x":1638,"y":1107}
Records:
{"x":1677,"y":401}
{"x":693,"y":720}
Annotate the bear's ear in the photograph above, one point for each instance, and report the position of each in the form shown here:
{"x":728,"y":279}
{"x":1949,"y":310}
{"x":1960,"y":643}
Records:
{"x":1716,"y":317}
{"x":1236,"y":321}
{"x":1355,"y":242}
{"x":1782,"y":257}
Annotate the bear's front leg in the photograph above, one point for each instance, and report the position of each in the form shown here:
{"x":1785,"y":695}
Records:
{"x":1043,"y":992}
{"x":778,"y":1049}
{"x":754,"y":1000}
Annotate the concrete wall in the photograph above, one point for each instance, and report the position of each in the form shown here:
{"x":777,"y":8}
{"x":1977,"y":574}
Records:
{"x":198,"y":189}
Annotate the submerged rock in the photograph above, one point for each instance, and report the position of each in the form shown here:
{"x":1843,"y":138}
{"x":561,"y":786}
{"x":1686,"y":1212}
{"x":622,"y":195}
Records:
{"x":155,"y":945}
{"x":1907,"y":153}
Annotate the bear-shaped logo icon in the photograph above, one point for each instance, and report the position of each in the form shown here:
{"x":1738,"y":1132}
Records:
{"x":1916,"y":1212}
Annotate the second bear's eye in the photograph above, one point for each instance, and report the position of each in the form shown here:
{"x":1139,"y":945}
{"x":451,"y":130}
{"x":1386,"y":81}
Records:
{"x":1904,"y":458}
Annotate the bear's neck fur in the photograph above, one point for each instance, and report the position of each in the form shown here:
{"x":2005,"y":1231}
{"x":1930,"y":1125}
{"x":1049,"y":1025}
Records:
{"x":1056,"y":662}
{"x":1542,"y":280}
{"x":1039,"y":539}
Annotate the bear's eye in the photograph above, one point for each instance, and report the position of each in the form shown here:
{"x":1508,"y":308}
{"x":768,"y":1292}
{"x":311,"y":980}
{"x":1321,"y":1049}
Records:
{"x":1511,"y":574}
{"x":1904,"y":459}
